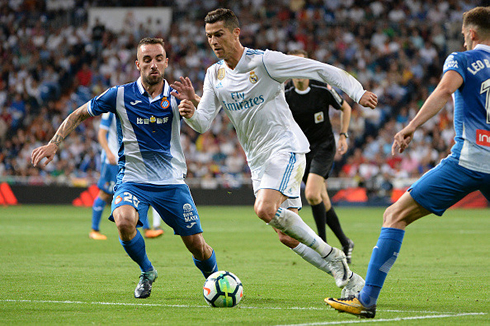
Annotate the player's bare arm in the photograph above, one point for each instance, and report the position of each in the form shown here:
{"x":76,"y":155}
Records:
{"x":345,"y":114}
{"x":449,"y":83}
{"x":369,"y":100}
{"x":186,"y":109}
{"x":71,"y":122}
{"x":102,"y":137}
{"x":185,"y":90}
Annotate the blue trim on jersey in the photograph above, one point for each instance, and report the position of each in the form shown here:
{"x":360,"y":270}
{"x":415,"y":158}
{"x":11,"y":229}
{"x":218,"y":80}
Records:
{"x":254,"y":52}
{"x":287,"y":173}
{"x":267,"y":71}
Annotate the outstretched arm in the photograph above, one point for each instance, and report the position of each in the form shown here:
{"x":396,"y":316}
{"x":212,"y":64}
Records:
{"x":185,"y":91}
{"x":71,"y":122}
{"x":449,"y":83}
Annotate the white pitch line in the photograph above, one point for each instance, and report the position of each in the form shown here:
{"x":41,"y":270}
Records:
{"x":386,"y":320}
{"x":441,"y":314}
{"x":153,"y":304}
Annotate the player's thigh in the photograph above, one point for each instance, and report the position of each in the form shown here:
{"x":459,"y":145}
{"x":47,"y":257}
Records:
{"x":444,"y":185}
{"x":133,"y":195}
{"x":315,"y":186}
{"x":177,"y":209}
{"x":281,"y":173}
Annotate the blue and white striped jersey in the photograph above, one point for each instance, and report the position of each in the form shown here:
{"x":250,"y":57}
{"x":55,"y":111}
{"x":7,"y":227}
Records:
{"x":148,"y":133}
{"x":108,"y":122}
{"x":472,"y":108}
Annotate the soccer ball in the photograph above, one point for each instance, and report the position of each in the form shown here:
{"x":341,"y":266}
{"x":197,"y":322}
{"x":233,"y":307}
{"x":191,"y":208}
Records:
{"x":223,"y":289}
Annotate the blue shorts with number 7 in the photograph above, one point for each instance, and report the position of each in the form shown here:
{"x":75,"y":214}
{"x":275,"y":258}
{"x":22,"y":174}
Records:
{"x":174,"y":203}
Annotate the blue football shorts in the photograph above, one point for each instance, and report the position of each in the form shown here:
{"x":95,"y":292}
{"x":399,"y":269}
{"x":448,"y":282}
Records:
{"x":107,"y":180}
{"x":174,"y":203}
{"x":446,"y":184}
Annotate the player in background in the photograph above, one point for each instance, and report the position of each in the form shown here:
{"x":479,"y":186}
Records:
{"x":107,"y":137}
{"x":151,"y":162}
{"x":155,"y":230}
{"x":466,"y":77}
{"x":248,"y":85}
{"x":309,"y":102}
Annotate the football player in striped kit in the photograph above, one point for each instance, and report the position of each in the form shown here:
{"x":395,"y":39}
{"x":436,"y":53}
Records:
{"x":151,"y":162}
{"x":466,"y":78}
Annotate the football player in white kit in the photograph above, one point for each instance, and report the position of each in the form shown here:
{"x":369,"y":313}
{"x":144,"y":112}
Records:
{"x":248,"y":85}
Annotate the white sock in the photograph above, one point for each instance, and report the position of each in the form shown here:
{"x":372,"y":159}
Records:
{"x":291,"y":224}
{"x":156,"y":218}
{"x":312,"y":257}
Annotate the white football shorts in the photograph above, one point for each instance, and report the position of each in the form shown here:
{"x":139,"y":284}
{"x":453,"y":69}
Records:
{"x":283,"y":171}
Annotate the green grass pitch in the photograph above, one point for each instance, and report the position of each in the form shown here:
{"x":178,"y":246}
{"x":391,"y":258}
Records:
{"x":52,"y":273}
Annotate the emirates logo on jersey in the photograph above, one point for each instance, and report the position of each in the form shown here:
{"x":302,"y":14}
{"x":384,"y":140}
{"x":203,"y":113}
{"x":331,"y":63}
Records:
{"x":253,"y":77}
{"x":483,"y":137}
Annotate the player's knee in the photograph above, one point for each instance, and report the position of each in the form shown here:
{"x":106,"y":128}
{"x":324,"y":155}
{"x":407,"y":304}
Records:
{"x":265,"y":212}
{"x":313,"y":198}
{"x":125,"y":221}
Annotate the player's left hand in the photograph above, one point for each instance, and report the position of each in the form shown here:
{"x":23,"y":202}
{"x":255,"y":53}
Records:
{"x":369,"y":100}
{"x":342,"y":146}
{"x":184,"y":90}
{"x":47,"y":151}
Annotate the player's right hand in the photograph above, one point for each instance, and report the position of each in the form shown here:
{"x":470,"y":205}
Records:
{"x":47,"y":151}
{"x":402,"y":139}
{"x":186,"y":109}
{"x":369,"y":100}
{"x":111,"y":158}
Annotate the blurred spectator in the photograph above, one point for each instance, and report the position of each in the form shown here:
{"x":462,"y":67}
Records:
{"x":50,"y":66}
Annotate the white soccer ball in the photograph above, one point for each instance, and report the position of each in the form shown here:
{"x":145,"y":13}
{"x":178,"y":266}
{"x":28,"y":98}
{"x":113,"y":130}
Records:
{"x":223,"y":289}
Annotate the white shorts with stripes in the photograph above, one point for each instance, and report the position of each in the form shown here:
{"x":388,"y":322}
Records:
{"x":283,"y":172}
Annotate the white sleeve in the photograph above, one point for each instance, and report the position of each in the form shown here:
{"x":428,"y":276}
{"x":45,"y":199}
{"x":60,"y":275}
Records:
{"x":207,"y":108}
{"x":282,"y":67}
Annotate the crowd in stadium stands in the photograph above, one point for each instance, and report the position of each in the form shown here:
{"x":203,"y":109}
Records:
{"x":52,"y":61}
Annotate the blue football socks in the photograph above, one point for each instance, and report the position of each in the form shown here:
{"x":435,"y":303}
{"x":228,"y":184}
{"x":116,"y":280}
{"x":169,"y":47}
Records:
{"x":384,"y":255}
{"x":208,"y":266}
{"x":97,"y":210}
{"x":136,"y":249}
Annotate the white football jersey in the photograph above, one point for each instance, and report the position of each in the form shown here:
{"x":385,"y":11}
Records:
{"x":252,"y":96}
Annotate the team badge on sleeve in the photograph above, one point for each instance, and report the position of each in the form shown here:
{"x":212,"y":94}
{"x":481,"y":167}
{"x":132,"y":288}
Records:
{"x":165,"y":103}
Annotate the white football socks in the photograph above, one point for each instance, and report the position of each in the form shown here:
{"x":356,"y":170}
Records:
{"x":291,"y":224}
{"x":312,"y":257}
{"x":156,"y":219}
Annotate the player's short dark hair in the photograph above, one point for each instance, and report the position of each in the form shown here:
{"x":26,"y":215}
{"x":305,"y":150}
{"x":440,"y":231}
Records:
{"x":480,"y":18}
{"x":222,"y":14}
{"x":151,"y":40}
{"x":298,"y":51}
